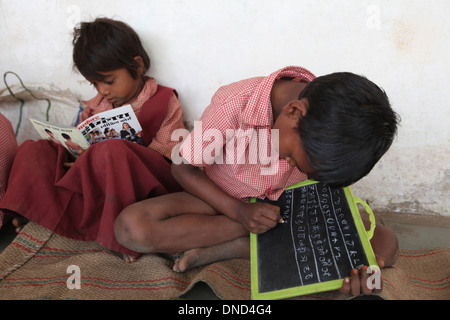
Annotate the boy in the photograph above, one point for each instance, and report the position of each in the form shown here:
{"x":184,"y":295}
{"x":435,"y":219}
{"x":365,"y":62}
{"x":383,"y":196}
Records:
{"x":332,"y":129}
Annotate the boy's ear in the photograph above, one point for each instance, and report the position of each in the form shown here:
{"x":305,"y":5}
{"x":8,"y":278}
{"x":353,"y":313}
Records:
{"x":296,"y":109}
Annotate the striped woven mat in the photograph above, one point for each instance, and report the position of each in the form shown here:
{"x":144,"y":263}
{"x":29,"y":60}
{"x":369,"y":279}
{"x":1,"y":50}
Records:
{"x":41,"y":265}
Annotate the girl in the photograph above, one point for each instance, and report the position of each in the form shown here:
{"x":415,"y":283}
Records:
{"x":8,"y":149}
{"x":81,"y":200}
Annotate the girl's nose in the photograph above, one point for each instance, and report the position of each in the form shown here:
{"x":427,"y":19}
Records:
{"x":103,"y":89}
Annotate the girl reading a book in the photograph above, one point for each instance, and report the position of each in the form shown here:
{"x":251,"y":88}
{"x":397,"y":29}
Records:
{"x":81,"y":199}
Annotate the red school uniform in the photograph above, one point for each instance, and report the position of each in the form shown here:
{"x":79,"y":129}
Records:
{"x":83,"y":202}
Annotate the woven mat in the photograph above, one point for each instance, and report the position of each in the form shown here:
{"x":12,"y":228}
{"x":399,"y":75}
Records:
{"x":35,"y":266}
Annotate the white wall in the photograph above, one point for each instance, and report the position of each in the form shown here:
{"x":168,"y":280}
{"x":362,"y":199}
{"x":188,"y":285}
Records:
{"x":198,"y":45}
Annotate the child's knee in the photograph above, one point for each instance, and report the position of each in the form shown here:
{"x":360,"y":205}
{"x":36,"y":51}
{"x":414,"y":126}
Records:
{"x":131,"y":231}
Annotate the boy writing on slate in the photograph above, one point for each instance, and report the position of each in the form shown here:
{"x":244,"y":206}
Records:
{"x":257,"y":137}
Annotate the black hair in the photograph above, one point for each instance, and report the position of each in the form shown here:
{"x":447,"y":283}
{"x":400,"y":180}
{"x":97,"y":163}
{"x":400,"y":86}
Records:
{"x":105,"y":45}
{"x":348,"y":127}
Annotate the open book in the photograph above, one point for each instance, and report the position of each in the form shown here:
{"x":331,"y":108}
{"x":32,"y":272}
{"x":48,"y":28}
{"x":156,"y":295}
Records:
{"x":118,"y":123}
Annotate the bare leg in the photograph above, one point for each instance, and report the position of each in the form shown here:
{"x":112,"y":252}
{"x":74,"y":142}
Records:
{"x":174,"y":223}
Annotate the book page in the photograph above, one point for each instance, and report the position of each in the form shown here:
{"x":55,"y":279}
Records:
{"x":69,"y":137}
{"x":118,"y":123}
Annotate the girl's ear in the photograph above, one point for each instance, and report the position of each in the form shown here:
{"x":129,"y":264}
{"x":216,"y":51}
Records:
{"x":140,"y":69}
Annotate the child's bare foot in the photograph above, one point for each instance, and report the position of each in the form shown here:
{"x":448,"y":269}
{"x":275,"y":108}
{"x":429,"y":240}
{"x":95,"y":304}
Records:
{"x":128,"y":258}
{"x":190,"y":259}
{"x":237,"y":248}
{"x":19,"y":223}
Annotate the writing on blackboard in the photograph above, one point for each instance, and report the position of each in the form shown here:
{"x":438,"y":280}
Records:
{"x":321,"y":233}
{"x":319,"y":243}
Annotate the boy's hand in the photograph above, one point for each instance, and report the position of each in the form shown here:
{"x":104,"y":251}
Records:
{"x":356,"y":284}
{"x":259,"y":217}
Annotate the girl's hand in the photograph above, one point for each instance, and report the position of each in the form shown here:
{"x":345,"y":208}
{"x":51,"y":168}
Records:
{"x":259,"y":217}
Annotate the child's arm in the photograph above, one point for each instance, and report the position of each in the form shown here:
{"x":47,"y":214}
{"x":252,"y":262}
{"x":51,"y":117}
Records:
{"x":256,"y":217}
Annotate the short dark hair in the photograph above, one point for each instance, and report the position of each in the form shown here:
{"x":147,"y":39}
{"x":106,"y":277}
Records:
{"x":105,"y":45}
{"x":348,"y":127}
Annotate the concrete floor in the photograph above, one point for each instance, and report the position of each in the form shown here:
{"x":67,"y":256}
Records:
{"x":414,"y":232}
